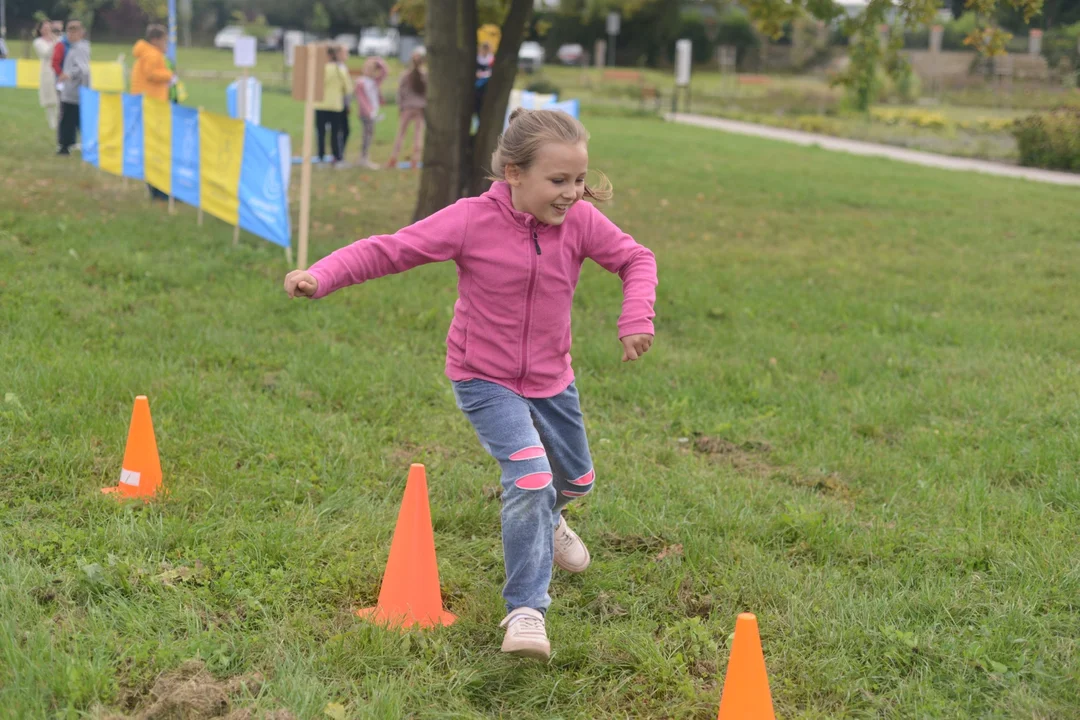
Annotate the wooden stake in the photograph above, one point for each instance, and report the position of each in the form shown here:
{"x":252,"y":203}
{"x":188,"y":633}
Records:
{"x":241,"y":112}
{"x":288,"y":256}
{"x":172,"y":205}
{"x":200,"y":214}
{"x":305,"y":167}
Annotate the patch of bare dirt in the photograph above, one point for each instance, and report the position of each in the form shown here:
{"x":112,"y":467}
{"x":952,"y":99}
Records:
{"x":191,"y":693}
{"x":752,"y":458}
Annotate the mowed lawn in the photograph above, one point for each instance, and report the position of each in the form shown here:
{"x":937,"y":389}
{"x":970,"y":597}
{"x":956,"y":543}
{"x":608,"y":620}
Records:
{"x":859,"y":421}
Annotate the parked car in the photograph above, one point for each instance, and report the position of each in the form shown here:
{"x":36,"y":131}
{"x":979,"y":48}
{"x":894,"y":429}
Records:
{"x":378,"y":41}
{"x":226,"y":39}
{"x":530,"y":56}
{"x":572,"y":54}
{"x":273,"y":39}
{"x":349,"y":41}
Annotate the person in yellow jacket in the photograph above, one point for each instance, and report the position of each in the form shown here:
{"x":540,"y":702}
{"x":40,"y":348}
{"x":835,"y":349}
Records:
{"x":336,"y":83}
{"x":151,"y":75}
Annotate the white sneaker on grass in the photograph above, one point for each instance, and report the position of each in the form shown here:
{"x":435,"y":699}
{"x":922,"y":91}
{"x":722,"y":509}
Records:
{"x":526,"y":634}
{"x":570,"y":552}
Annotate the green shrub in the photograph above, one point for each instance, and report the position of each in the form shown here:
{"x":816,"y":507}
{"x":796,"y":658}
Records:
{"x":1050,"y":140}
{"x":736,"y":29}
{"x":544,"y":87}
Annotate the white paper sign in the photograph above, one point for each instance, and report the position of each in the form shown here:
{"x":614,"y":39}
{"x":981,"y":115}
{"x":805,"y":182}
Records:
{"x":129,"y":477}
{"x":614,"y":20}
{"x":682,"y":62}
{"x":244,"y":52}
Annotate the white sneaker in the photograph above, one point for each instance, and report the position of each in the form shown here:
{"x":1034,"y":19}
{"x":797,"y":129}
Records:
{"x":526,"y":635}
{"x":570,"y":553}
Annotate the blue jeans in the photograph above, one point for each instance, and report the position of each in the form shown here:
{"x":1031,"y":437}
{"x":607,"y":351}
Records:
{"x":544,"y":454}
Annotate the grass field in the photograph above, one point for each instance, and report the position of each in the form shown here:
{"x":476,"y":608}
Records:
{"x":859,"y":422}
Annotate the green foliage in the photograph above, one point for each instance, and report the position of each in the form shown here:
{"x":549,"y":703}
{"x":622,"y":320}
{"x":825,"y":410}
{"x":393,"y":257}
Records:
{"x":319,"y":22}
{"x":1062,"y":43}
{"x":544,"y":86}
{"x":258,"y":27}
{"x":1050,"y":140}
{"x":735,"y":29}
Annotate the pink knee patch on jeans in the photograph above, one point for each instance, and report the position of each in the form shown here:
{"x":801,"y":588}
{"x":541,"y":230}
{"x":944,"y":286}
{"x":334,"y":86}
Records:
{"x":585,"y":479}
{"x":572,"y":493}
{"x":536,"y":481}
{"x":529,"y":453}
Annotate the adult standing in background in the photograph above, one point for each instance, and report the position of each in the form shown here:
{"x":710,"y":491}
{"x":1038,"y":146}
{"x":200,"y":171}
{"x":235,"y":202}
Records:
{"x":44,"y":44}
{"x":76,"y":75}
{"x":343,"y":63}
{"x":328,"y":111}
{"x":59,"y":53}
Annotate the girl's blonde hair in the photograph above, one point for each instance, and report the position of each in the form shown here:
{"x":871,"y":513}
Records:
{"x":374,"y":66}
{"x":528,"y":131}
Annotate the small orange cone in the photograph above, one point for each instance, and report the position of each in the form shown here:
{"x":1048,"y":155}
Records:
{"x":410,"y":588}
{"x":140,"y":475}
{"x":746,"y":693}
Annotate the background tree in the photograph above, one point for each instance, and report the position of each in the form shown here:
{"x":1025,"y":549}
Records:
{"x":455,"y":163}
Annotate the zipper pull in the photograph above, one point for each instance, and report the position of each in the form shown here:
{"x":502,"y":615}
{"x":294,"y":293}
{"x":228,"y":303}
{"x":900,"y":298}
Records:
{"x":536,"y":242}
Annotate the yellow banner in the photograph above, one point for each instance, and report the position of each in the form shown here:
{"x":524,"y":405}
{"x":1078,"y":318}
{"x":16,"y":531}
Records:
{"x":107,"y":76}
{"x":104,"y":76}
{"x":221,"y":150}
{"x":28,"y":74}
{"x":111,"y":134}
{"x":157,"y":143}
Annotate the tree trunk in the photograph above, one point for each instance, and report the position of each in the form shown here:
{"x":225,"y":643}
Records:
{"x":493,"y":112}
{"x":451,"y":46}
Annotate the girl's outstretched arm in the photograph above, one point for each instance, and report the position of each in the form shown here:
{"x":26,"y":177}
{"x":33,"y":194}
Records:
{"x":434,"y":239}
{"x":615,"y":251}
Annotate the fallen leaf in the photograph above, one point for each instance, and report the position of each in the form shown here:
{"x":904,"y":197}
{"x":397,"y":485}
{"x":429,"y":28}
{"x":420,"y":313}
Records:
{"x":670,"y":551}
{"x":336,"y":711}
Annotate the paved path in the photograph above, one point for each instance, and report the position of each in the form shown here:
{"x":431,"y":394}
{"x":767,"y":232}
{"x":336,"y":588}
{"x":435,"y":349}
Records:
{"x":857,"y":147}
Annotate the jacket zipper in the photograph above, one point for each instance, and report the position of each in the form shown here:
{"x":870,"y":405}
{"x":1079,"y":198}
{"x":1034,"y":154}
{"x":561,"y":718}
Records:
{"x":534,"y":271}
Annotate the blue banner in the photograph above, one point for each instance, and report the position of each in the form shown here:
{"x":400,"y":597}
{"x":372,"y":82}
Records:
{"x":185,"y":154}
{"x":170,"y":51}
{"x":570,"y":107}
{"x":133,"y":137}
{"x":264,"y":184}
{"x":89,"y":109}
{"x":8,"y":72}
{"x":253,"y":100}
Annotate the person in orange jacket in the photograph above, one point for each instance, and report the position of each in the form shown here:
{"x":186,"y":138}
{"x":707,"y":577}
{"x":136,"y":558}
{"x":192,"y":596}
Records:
{"x":151,"y":75}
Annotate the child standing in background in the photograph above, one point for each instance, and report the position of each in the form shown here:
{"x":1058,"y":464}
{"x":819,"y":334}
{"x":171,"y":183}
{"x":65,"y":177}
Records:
{"x":411,"y":100}
{"x":369,"y":101}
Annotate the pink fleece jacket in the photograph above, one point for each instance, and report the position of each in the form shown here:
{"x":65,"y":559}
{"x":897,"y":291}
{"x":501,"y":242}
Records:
{"x":516,"y":281}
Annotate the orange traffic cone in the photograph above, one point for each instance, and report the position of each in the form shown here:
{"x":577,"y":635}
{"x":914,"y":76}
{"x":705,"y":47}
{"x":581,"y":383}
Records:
{"x":746,"y":693}
{"x":410,"y":587}
{"x":140,"y":475}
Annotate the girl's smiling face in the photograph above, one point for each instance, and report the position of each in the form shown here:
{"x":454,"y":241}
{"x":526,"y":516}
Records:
{"x":552,"y":183}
